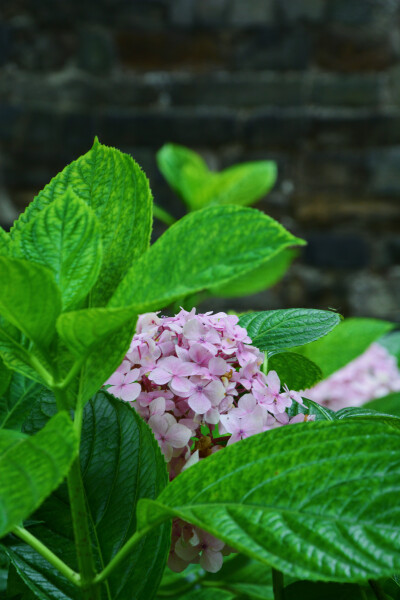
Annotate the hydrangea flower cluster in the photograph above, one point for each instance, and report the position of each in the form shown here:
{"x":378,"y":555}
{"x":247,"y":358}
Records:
{"x":371,"y":375}
{"x":197,"y":381}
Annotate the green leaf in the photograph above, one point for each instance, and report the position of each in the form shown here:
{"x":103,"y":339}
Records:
{"x":33,"y":468}
{"x":261,"y":278}
{"x":243,"y":577}
{"x":362,"y":412}
{"x":184,"y":170}
{"x":348,"y":341}
{"x":29,"y":299}
{"x":207,"y":594}
{"x":121,"y":462}
{"x":17,"y":401}
{"x":241,"y":184}
{"x":276,"y":330}
{"x":83,"y":330}
{"x":295,"y":370}
{"x":14,"y":351}
{"x":310,"y":590}
{"x":4,"y":241}
{"x":318,"y":501}
{"x":391,"y":342}
{"x":189,"y":176}
{"x":117,"y":190}
{"x":214,"y":244}
{"x":5,"y":378}
{"x":320,"y":413}
{"x":65,"y":238}
{"x":388,"y":404}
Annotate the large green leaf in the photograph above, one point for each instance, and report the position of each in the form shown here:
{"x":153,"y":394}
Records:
{"x":276,"y":330}
{"x":17,"y":401}
{"x":29,"y":299}
{"x":214,"y":244}
{"x":121,"y":462}
{"x":257,"y":280}
{"x":318,"y":501}
{"x":345,"y":343}
{"x":189,"y":176}
{"x":33,"y":468}
{"x":295,"y":370}
{"x":389,"y":404}
{"x":117,"y":190}
{"x":365,"y":413}
{"x":65,"y":238}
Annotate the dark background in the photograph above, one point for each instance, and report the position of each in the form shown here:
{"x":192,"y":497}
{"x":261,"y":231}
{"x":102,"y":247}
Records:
{"x":312,"y":84}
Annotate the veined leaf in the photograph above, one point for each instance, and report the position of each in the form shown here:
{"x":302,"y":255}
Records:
{"x":388,"y":404}
{"x":348,"y":341}
{"x":214,"y":244}
{"x":392,"y":344}
{"x":102,"y":335}
{"x":5,"y":378}
{"x":296,"y":371}
{"x":276,"y":330}
{"x":29,"y":299}
{"x":17,"y":401}
{"x":65,"y":238}
{"x":14,"y":353}
{"x":33,"y":468}
{"x":121,"y":462}
{"x":316,"y":500}
{"x":365,"y":413}
{"x":261,"y":278}
{"x":117,"y":190}
{"x":319,"y":412}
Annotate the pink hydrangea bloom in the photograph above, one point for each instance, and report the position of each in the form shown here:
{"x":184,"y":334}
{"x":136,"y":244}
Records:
{"x":192,"y":372}
{"x":371,"y":375}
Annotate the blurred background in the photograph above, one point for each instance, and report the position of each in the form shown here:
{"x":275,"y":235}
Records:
{"x":311,"y":84}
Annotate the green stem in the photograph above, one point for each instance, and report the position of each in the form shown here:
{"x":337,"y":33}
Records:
{"x":377,"y":589}
{"x":277,"y":584}
{"x":80,"y":523}
{"x":131,"y":543}
{"x":264,"y":367}
{"x":76,"y":367}
{"x":81,"y":533}
{"x":163,"y":215}
{"x":37,"y":545}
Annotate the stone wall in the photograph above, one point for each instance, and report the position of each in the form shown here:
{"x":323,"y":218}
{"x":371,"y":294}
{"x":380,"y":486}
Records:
{"x":312,"y":84}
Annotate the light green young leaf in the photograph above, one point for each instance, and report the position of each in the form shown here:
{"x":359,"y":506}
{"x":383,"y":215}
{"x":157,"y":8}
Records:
{"x":102,"y":336}
{"x":261,"y":278}
{"x":117,"y":190}
{"x":29,"y":299}
{"x":313,"y":531}
{"x":345,"y":343}
{"x":294,"y":370}
{"x":64,"y":237}
{"x":214,"y":244}
{"x":184,"y":170}
{"x":17,"y":401}
{"x":242,"y":184}
{"x":33,"y":468}
{"x":388,"y":404}
{"x":83,"y":330}
{"x":275,"y":330}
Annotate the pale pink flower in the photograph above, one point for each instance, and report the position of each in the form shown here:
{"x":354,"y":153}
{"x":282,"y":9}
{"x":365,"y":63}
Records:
{"x":124,"y":386}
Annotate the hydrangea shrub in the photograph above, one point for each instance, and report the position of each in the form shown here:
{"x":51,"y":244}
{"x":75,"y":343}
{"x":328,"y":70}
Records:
{"x":186,"y":454}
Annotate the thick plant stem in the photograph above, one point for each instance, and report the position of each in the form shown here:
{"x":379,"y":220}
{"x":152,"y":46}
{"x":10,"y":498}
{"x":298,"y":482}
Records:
{"x":277,"y":584}
{"x":378,"y":591}
{"x":37,"y":545}
{"x":121,"y":554}
{"x":90,"y":590}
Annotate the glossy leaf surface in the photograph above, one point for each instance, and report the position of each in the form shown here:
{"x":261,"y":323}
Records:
{"x":318,"y":501}
{"x":294,"y":370}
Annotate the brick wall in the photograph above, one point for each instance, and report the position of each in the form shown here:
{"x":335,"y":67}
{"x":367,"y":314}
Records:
{"x":312,"y":84}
